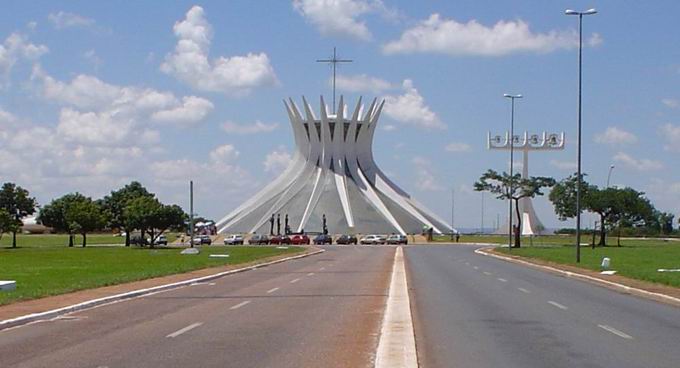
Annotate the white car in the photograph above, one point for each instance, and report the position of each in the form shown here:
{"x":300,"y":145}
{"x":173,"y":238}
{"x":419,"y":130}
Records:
{"x":372,"y":239}
{"x":233,"y":240}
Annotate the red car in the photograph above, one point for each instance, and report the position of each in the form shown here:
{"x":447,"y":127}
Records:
{"x":300,"y":239}
{"x":279,"y":239}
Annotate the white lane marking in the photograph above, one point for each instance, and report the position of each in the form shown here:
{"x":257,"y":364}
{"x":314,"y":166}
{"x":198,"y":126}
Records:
{"x":502,"y":279}
{"x":487,"y":273}
{"x":615,"y":332}
{"x":322,"y":268}
{"x":185,"y":329}
{"x":310,"y":274}
{"x":475,"y":267}
{"x":467,"y":263}
{"x":524,"y":290}
{"x":294,"y":281}
{"x":397,"y":344}
{"x":239,"y":305}
{"x":272,"y":290}
{"x":212,"y":284}
{"x":558,"y":305}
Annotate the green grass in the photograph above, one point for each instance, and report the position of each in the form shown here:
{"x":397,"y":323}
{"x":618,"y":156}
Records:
{"x":549,"y":240}
{"x":638,"y":259}
{"x":61,"y":240}
{"x":42,"y":271}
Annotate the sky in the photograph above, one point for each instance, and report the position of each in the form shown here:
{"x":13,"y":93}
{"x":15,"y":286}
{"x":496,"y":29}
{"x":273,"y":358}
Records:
{"x":94,"y":95}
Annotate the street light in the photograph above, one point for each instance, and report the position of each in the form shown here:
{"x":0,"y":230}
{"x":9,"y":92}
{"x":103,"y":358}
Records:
{"x":578,"y":162}
{"x":609,"y":176}
{"x":512,"y":145}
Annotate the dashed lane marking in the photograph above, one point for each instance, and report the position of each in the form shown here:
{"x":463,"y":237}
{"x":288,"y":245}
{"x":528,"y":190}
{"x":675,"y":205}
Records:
{"x":185,"y":329}
{"x":272,"y":290}
{"x":294,"y":281}
{"x":487,"y":273}
{"x":310,"y":274}
{"x":502,"y":279}
{"x":615,"y":332}
{"x":525,"y":291}
{"x":558,"y":305}
{"x":239,"y":305}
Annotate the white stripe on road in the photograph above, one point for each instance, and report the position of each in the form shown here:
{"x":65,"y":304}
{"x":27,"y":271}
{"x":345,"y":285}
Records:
{"x":239,"y":305}
{"x":294,"y":281}
{"x":397,"y":344}
{"x":487,"y":273}
{"x":185,"y":329}
{"x":502,"y":279}
{"x":322,"y":268}
{"x":558,"y":305}
{"x":615,"y":332}
{"x":272,"y":290}
{"x":475,"y":267}
{"x":525,"y":291}
{"x":310,"y":274}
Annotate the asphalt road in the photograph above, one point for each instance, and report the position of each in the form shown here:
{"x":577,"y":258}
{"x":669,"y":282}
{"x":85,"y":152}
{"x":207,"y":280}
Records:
{"x":319,"y":311}
{"x":476,"y":311}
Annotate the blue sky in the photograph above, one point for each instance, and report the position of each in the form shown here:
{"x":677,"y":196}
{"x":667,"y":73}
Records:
{"x":96,"y":94}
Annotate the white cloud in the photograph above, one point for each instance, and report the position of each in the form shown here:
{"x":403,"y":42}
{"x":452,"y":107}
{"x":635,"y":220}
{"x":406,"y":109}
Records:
{"x":93,"y":128}
{"x":564,"y":165}
{"x":615,"y":136}
{"x":458,"y":147}
{"x":63,"y":19}
{"x":340,"y":17}
{"x":276,"y":161}
{"x":671,"y":102}
{"x":424,"y":174}
{"x":189,"y":62}
{"x":637,"y":164}
{"x":92,"y":57}
{"x":192,"y":110}
{"x":16,"y":47}
{"x":388,"y":127}
{"x":255,"y":128}
{"x":410,"y":108}
{"x":671,"y":134}
{"x":362,"y":83}
{"x":447,"y":36}
{"x":224,"y":154}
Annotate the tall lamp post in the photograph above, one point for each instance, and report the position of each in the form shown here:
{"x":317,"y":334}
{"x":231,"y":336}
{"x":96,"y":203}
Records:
{"x":578,"y":160}
{"x":609,"y":176}
{"x":512,"y":157}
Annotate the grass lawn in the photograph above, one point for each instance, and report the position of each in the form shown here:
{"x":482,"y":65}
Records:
{"x":547,"y":240}
{"x":43,"y":271}
{"x":61,"y":240}
{"x":638,"y":259}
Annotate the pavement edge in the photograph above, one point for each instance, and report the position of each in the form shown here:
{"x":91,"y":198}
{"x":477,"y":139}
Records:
{"x":397,"y":344}
{"x":604,"y":283}
{"x":17,"y":321}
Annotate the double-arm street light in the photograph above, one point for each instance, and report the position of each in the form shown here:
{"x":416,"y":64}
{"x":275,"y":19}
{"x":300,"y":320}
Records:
{"x":512,"y":146}
{"x":578,"y":160}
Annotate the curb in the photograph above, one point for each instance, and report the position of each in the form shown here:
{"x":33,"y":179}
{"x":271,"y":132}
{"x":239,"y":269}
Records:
{"x":17,"y":321}
{"x":604,"y":283}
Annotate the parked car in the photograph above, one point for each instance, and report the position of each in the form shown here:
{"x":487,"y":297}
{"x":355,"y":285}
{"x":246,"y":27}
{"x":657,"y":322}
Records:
{"x":373,"y":239}
{"x":397,"y":239}
{"x":299,"y":239}
{"x":233,"y":240}
{"x":161,"y":240}
{"x":202,"y":239}
{"x":137,"y":240}
{"x":258,"y":240}
{"x":280,"y":239}
{"x":346,"y":239}
{"x":323,"y":239}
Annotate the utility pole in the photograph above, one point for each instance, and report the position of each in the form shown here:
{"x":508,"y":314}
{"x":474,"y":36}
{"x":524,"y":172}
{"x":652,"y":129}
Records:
{"x":191,"y":213}
{"x":452,"y":211}
{"x":333,"y":62}
{"x":482,"y":228}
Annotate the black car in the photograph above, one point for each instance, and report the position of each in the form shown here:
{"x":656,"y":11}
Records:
{"x":323,"y":239}
{"x":346,"y":239}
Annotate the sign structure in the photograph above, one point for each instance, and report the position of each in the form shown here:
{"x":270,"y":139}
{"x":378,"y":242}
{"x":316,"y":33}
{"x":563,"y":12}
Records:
{"x":333,"y":173}
{"x":531,"y":225}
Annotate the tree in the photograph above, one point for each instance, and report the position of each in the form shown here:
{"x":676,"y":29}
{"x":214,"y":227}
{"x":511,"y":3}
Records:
{"x":150,"y":216}
{"x":621,"y":206}
{"x":115,"y":204}
{"x":499,"y":184}
{"x":7,"y":223}
{"x":73,"y":214}
{"x":16,"y":201}
{"x":84,"y":216}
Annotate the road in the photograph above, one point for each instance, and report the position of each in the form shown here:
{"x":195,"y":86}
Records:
{"x":323,"y":310}
{"x":476,"y":311}
{"x":326,"y":310}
